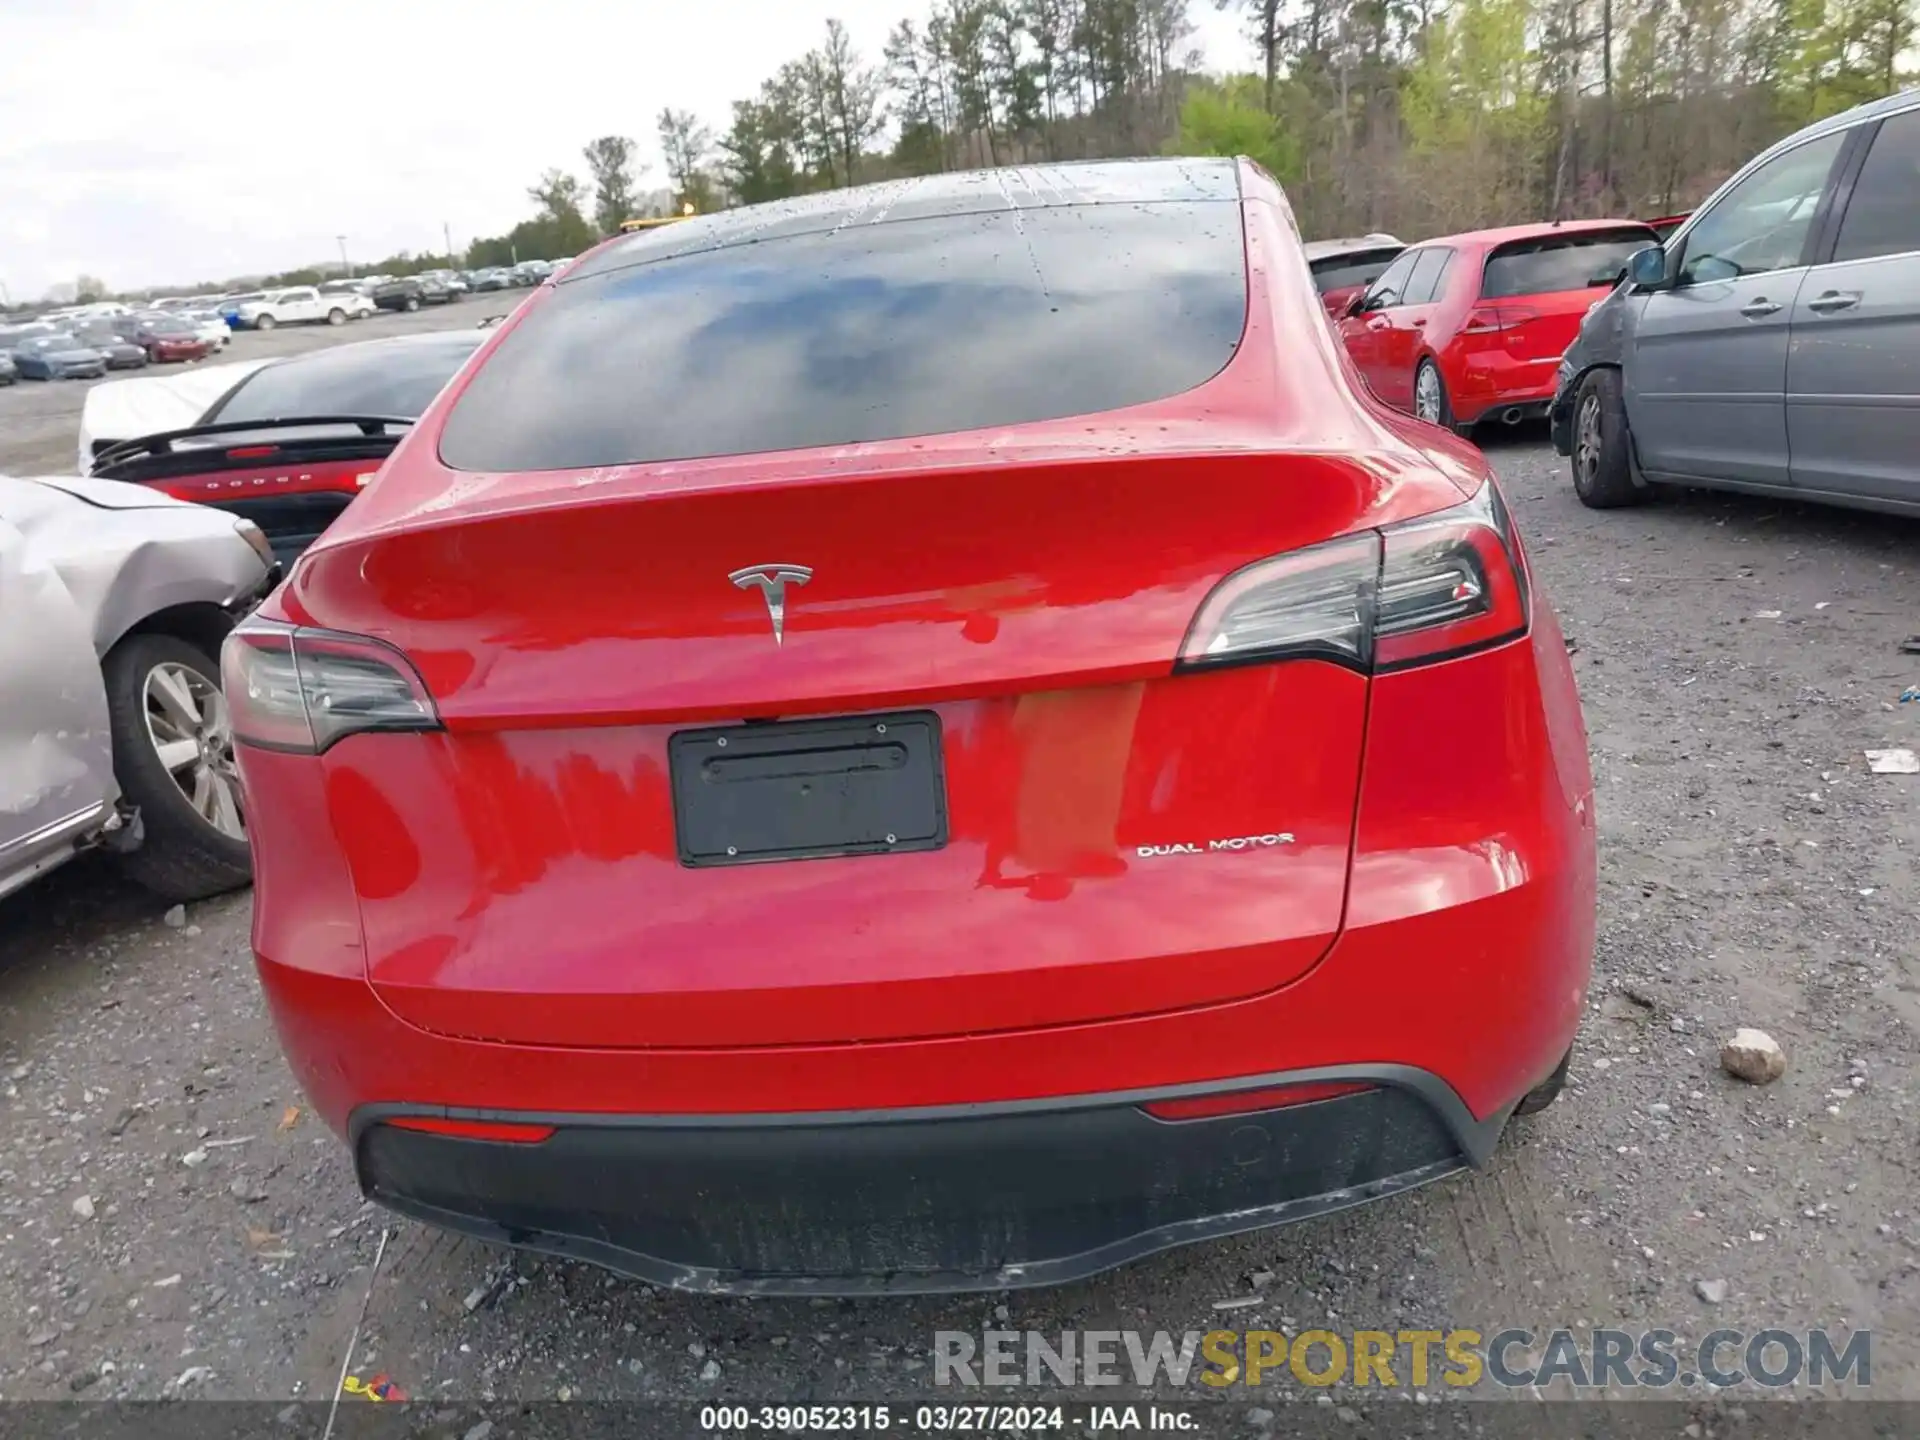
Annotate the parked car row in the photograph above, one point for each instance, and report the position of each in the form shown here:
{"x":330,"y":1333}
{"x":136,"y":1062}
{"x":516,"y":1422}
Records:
{"x":1768,"y":340}
{"x":516,"y":277}
{"x":88,"y":347}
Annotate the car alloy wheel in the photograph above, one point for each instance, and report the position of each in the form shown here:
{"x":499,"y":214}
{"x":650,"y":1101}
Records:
{"x":1427,"y":397}
{"x":1586,"y":438}
{"x":188,"y":725}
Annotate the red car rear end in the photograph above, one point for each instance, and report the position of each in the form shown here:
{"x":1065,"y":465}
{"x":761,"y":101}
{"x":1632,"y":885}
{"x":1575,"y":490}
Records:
{"x":1471,"y":327}
{"x":164,"y":348}
{"x":826,"y":764}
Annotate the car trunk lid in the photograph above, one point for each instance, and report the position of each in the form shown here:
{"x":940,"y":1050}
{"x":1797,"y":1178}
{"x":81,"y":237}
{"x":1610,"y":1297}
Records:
{"x":1077,"y":832}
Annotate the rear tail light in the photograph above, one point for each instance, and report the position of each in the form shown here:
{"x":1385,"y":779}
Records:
{"x":500,"y":1132}
{"x":289,"y":687}
{"x":1410,"y":594}
{"x":1490,"y":319}
{"x":1250,"y":1102}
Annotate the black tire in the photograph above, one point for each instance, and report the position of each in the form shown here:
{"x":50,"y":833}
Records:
{"x":1548,"y":1090}
{"x":1602,"y":445}
{"x":265,"y":322}
{"x":1426,"y":370}
{"x":182,"y":856}
{"x":336,"y":316}
{"x":413,"y":303}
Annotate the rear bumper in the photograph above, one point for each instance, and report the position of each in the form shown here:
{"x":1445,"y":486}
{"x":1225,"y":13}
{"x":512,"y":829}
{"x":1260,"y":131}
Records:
{"x":1513,"y":412}
{"x":1491,"y":380}
{"x":967,"y":1198}
{"x":1456,"y":984}
{"x":1560,"y":420}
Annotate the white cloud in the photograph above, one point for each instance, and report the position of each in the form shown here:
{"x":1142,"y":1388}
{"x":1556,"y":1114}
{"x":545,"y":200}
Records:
{"x":166,"y":143}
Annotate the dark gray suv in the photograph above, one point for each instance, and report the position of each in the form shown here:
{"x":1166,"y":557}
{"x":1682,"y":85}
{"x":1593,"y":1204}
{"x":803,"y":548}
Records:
{"x":1773,"y":343}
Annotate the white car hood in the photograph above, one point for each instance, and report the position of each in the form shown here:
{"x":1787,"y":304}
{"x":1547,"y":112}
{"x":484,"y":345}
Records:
{"x":127,"y":409}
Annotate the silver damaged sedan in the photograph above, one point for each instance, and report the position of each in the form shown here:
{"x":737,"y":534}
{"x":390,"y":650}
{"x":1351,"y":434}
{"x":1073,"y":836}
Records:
{"x":114,"y":600}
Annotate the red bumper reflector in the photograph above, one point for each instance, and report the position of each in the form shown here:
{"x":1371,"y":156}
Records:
{"x":500,"y":1131}
{"x":1246,"y":1102}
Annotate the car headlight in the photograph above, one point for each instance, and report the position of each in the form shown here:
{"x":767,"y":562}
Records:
{"x":257,"y":538}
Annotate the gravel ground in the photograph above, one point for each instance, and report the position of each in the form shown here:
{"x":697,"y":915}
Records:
{"x":176,"y":1224}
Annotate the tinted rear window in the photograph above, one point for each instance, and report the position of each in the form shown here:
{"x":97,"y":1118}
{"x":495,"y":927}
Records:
{"x":1338,"y":272}
{"x":383,"y":378}
{"x":1552,"y":263}
{"x":911,"y":327}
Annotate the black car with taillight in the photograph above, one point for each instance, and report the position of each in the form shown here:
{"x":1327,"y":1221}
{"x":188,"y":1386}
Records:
{"x":410,"y":292}
{"x":291,"y":444}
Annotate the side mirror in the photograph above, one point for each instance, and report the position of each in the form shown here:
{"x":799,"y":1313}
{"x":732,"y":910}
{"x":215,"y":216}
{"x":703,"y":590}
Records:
{"x":1355,"y":306}
{"x":1648,"y":268}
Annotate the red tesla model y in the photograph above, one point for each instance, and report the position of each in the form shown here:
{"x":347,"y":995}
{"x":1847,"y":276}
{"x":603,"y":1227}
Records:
{"x":917,"y":738}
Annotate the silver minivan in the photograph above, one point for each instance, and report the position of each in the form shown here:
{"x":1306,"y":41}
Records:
{"x":1772,"y":344}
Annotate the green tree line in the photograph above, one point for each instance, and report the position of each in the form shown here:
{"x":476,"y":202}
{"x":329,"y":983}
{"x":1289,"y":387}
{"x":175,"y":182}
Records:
{"x":1428,"y":116}
{"x":1416,"y":116}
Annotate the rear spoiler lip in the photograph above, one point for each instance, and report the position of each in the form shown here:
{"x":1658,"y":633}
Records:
{"x":113,"y":461}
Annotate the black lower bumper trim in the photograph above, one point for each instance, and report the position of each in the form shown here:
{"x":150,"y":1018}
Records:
{"x":1006,"y":1200}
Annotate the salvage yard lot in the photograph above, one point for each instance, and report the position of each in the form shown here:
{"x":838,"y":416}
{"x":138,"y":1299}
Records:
{"x":40,"y":418}
{"x":175,"y":1223}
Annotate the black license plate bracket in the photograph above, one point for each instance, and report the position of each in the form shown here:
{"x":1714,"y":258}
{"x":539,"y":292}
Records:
{"x":808,"y":789}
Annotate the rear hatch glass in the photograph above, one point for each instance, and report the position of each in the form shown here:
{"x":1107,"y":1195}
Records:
{"x":1344,"y":272}
{"x":1549,"y":264}
{"x":823,"y":339}
{"x":397,"y":377}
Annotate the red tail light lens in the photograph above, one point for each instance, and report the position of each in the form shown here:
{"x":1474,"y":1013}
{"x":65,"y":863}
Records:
{"x":500,"y":1132}
{"x":1407,"y":595}
{"x":1448,"y":586}
{"x":289,"y":687}
{"x":1250,"y":1102}
{"x":1491,"y":319}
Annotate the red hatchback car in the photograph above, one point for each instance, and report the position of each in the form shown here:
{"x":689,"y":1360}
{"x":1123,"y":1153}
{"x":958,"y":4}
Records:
{"x":1471,"y":327}
{"x":924,"y":737}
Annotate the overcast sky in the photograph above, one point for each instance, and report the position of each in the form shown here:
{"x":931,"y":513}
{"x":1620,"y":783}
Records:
{"x":162,"y":143}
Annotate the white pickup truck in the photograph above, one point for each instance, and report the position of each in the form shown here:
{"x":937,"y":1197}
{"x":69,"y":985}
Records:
{"x":302,"y":305}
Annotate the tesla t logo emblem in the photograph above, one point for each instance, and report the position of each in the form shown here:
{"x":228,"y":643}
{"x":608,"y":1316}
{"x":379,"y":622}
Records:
{"x":773,"y":581}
